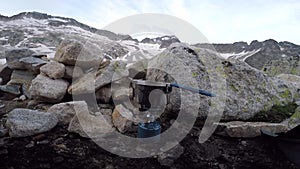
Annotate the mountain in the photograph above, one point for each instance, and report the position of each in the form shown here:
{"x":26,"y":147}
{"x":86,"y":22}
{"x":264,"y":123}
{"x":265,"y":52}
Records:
{"x":163,"y":41}
{"x":261,"y":55}
{"x":42,"y":33}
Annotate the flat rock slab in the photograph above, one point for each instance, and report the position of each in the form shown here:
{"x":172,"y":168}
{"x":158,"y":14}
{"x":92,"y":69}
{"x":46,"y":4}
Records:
{"x":13,"y":55}
{"x":33,"y":63}
{"x":65,"y":111}
{"x":26,"y":122}
{"x":239,"y":129}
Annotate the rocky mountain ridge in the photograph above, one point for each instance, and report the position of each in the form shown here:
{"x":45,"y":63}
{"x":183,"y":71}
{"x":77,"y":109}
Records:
{"x":258,"y":54}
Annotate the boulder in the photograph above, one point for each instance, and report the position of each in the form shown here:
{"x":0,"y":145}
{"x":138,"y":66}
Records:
{"x":121,"y":118}
{"x":138,"y":70}
{"x":45,"y":89}
{"x":295,"y":79}
{"x":65,"y":111}
{"x":68,"y":51}
{"x":83,"y":85}
{"x":294,"y":120}
{"x":92,"y":81}
{"x":5,"y":73}
{"x":116,"y":70}
{"x":71,"y":52}
{"x":242,"y":91}
{"x":26,"y":122}
{"x":89,"y":125}
{"x":73,"y":72}
{"x":32,"y":63}
{"x":13,"y":55}
{"x":239,"y":129}
{"x":53,"y":70}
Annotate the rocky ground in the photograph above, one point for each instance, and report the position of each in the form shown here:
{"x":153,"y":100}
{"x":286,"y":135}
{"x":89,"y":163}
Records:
{"x":60,"y":149}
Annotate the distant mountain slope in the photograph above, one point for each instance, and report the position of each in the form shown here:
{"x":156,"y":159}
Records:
{"x":257,"y":54}
{"x":43,"y":33}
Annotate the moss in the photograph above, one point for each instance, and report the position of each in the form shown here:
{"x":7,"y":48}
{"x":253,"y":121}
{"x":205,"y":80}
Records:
{"x":197,"y":50}
{"x":277,"y":102}
{"x":221,"y":71}
{"x":294,"y":71}
{"x":296,"y":115}
{"x":276,"y":114}
{"x":258,"y":99}
{"x":286,"y":94}
{"x":117,"y":67}
{"x":233,"y":88}
{"x":244,"y":109}
{"x":194,"y":74}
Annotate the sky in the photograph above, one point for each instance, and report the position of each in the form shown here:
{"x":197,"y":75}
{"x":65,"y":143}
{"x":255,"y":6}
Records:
{"x":220,"y":21}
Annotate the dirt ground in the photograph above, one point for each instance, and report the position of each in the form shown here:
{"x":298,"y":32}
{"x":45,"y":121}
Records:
{"x":60,"y":149}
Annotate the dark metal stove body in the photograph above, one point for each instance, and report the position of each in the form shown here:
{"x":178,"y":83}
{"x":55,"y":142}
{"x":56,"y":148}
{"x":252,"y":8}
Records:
{"x":152,"y":98}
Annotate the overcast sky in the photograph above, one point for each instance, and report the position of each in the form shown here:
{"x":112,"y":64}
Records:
{"x":221,"y":21}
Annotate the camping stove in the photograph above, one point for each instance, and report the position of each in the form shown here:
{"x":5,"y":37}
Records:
{"x":152,"y":98}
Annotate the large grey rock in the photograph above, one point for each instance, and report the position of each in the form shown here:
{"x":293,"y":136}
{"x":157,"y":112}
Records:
{"x":26,"y":122}
{"x":116,"y":70}
{"x":53,"y":70}
{"x":45,"y":89}
{"x":294,"y":120}
{"x":13,"y":55}
{"x":241,"y":129}
{"x":73,"y":72}
{"x":89,"y":54}
{"x":83,"y":85}
{"x":32,"y":63}
{"x":65,"y":111}
{"x":5,"y":73}
{"x":290,"y":78}
{"x":89,"y":125}
{"x":245,"y":92}
{"x":283,"y":65}
{"x":138,"y":70}
{"x":92,"y":81}
{"x":68,"y":51}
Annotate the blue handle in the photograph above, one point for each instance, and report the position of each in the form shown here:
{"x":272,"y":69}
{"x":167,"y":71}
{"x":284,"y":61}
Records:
{"x":203,"y":92}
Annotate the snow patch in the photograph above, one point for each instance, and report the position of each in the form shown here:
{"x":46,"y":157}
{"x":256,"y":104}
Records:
{"x":58,"y":19}
{"x":241,"y":56}
{"x":2,"y":61}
